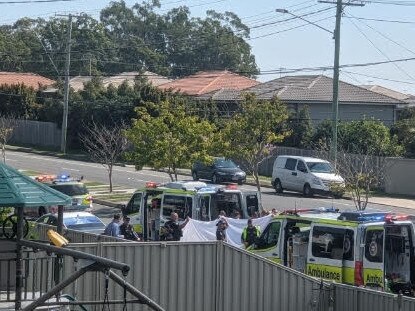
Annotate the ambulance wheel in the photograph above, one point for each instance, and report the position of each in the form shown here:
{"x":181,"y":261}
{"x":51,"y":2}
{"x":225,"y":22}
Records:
{"x":277,"y":186}
{"x":195,"y":177}
{"x":307,"y":191}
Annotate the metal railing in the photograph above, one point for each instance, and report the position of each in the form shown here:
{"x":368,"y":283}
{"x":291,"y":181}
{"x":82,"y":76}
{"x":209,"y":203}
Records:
{"x":38,"y":275}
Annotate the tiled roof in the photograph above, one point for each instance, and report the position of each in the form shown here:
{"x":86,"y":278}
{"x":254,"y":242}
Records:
{"x":77,"y":83}
{"x":313,"y":88}
{"x":27,"y":79}
{"x":153,"y":78}
{"x":391,"y":93}
{"x":207,"y":81}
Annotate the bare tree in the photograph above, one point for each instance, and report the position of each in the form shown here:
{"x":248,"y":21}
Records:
{"x":362,"y":173}
{"x":105,"y":145}
{"x":7,"y":126}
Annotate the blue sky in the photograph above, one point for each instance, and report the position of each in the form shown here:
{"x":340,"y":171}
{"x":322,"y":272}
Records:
{"x":275,"y":47}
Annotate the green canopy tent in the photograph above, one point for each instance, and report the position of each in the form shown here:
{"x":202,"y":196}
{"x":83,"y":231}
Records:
{"x":20,"y":191}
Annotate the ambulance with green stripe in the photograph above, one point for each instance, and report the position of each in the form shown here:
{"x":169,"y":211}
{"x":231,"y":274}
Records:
{"x":149,"y":208}
{"x":374,"y":250}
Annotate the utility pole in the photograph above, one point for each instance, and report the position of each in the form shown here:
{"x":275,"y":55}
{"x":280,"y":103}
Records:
{"x":336,"y":74}
{"x":66,"y":87}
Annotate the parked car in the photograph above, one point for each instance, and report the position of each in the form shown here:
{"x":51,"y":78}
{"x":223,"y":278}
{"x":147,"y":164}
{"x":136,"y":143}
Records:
{"x":81,"y":221}
{"x":307,"y":175}
{"x":219,"y":170}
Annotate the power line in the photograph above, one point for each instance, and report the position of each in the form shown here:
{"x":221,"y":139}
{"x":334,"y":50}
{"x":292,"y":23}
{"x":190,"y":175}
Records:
{"x":388,"y":38}
{"x":399,"y":3}
{"x":381,"y":52}
{"x":379,"y":78}
{"x":34,"y":1}
{"x":381,"y":20}
{"x":289,"y":29}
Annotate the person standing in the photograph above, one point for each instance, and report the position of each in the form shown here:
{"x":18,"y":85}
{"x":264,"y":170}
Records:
{"x":250,"y":233}
{"x":113,"y":228}
{"x":128,"y":231}
{"x":222,"y":225}
{"x":172,"y":230}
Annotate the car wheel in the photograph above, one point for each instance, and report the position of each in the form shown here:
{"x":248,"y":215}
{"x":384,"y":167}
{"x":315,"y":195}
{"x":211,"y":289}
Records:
{"x":41,"y":211}
{"x":307,"y":191}
{"x":240,"y":182}
{"x":277,"y":186}
{"x":194,"y":175}
{"x":215,"y":179}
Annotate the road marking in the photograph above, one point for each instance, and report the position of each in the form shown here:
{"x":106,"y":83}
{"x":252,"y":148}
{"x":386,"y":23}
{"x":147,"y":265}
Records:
{"x":70,"y":169}
{"x":73,"y":162}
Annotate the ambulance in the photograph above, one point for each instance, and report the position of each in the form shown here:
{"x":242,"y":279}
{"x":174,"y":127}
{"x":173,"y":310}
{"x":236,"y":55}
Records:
{"x":149,"y":208}
{"x":374,"y":250}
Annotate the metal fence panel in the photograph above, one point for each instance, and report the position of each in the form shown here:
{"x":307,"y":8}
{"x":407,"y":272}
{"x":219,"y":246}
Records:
{"x":349,"y":298}
{"x":216,"y":276}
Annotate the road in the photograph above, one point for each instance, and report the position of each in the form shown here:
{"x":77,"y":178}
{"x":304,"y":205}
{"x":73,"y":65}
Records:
{"x":130,"y":178}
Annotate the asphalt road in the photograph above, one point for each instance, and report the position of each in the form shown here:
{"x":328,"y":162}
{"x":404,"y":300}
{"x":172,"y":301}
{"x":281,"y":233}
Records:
{"x":130,"y":178}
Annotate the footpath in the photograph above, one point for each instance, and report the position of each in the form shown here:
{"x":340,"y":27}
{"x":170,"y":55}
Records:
{"x":121,"y":194}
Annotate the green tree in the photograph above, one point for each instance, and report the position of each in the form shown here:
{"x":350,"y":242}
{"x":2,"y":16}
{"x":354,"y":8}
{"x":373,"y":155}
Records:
{"x":301,"y":129}
{"x":164,"y":135}
{"x":366,"y":136}
{"x":404,"y":130}
{"x":251,"y":132}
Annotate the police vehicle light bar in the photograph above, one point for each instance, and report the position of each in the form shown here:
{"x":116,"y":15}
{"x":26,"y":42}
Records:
{"x":373,"y":216}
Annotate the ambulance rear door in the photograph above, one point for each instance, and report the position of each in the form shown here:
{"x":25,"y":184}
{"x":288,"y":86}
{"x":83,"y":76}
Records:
{"x":134,"y":211}
{"x":251,"y":204}
{"x":269,"y":244}
{"x":373,"y":256}
{"x":326,"y":252}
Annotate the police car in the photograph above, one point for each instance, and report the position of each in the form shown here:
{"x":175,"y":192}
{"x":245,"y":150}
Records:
{"x":75,"y":188}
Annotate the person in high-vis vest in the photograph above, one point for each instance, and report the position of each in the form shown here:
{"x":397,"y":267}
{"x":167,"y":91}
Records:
{"x":250,"y":234}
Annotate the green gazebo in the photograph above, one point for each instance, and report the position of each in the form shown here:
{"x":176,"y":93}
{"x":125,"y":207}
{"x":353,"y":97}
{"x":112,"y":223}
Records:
{"x":20,"y":191}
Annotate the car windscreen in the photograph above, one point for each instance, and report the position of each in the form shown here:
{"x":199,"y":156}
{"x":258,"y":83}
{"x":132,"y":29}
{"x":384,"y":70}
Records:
{"x":225,"y":163}
{"x":320,"y":167}
{"x":71,"y":190}
{"x":83,"y":223}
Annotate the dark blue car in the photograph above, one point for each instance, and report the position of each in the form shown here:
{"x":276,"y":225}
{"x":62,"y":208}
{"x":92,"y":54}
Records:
{"x":219,"y":170}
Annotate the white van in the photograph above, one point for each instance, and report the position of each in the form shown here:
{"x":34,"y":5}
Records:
{"x":307,"y":175}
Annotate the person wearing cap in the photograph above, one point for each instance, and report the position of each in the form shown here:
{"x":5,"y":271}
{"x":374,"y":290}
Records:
{"x":250,"y":234}
{"x":128,"y":231}
{"x":221,"y":227}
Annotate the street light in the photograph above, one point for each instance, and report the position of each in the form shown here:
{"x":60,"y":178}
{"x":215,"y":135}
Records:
{"x":335,"y":104}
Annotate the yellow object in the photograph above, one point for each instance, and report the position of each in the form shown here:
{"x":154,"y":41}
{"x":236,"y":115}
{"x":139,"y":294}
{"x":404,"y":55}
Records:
{"x":56,"y":239}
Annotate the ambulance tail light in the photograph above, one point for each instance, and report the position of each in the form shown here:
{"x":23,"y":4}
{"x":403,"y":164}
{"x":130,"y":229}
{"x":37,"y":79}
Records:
{"x":358,"y":273}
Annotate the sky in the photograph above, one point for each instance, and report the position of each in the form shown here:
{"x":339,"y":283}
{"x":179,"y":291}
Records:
{"x":379,"y":31}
